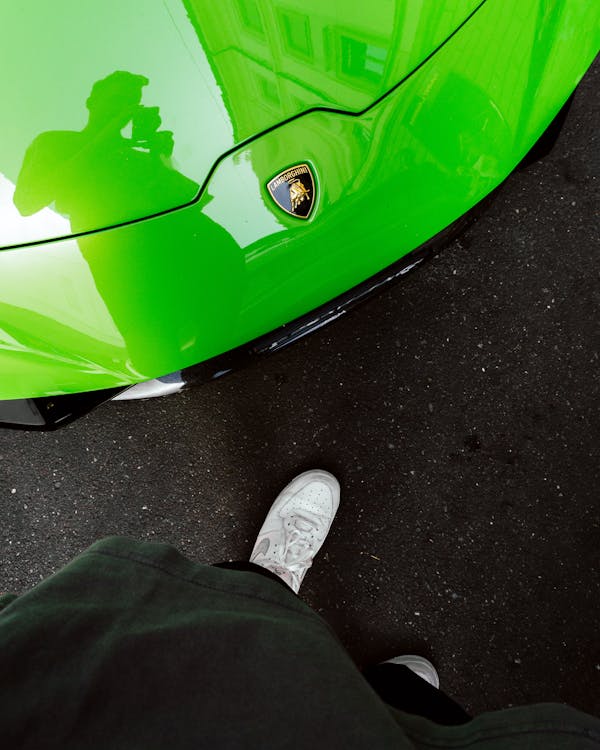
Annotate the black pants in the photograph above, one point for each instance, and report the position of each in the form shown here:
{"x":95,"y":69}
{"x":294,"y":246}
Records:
{"x":395,"y":684}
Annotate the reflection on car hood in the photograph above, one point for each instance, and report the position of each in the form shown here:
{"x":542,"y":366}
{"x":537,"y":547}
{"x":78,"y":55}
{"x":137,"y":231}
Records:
{"x":113,"y":113}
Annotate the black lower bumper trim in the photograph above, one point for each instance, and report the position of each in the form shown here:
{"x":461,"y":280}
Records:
{"x":289,"y":333}
{"x":51,"y":412}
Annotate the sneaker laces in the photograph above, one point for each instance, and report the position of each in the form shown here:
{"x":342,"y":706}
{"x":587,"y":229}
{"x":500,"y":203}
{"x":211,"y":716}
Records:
{"x":301,"y":556}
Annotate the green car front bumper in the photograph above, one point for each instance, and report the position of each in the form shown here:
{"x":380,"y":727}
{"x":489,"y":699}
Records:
{"x":108,"y":309}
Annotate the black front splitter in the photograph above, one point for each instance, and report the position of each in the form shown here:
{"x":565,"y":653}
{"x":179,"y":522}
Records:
{"x":52,"y":412}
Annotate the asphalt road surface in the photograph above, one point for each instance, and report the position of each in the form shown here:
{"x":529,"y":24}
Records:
{"x":460,"y":411}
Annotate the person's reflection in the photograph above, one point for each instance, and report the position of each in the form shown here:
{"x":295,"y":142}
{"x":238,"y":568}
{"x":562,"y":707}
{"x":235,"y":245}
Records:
{"x":166,"y":282}
{"x":97,"y":176}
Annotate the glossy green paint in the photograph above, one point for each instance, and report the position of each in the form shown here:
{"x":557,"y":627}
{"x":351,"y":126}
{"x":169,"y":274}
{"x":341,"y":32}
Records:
{"x":141,"y":300}
{"x":126,"y":109}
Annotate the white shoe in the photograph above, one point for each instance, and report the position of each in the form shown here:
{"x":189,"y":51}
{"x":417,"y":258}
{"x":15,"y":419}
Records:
{"x":296,"y":526}
{"x":420,"y":666}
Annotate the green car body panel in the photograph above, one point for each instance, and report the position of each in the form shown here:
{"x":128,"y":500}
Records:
{"x":190,"y":81}
{"x":138,"y":233}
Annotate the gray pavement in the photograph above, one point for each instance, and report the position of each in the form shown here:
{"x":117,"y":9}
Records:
{"x":460,"y":411}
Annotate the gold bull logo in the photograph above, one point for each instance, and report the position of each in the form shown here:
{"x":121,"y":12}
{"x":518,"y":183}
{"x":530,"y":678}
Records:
{"x":298,"y":193}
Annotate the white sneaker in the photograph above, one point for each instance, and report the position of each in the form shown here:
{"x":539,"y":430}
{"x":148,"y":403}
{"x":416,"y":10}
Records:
{"x":296,"y":526}
{"x":420,"y":666}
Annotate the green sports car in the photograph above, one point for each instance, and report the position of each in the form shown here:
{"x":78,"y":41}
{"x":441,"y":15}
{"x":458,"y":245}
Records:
{"x":186,"y":184}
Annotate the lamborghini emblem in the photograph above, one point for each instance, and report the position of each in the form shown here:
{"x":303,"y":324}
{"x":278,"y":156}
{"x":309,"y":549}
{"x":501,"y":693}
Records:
{"x":294,"y":190}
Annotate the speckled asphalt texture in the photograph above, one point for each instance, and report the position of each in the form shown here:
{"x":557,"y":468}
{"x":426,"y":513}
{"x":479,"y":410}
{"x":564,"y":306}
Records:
{"x":460,"y":411}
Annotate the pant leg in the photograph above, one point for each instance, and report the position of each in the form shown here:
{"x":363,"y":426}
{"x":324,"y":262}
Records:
{"x":250,"y":567}
{"x":395,"y":684}
{"x":401,"y":688}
